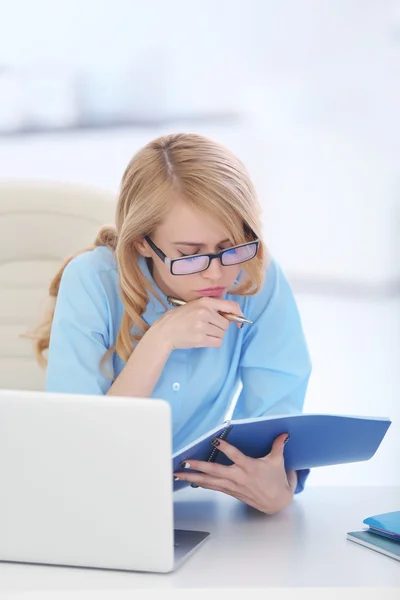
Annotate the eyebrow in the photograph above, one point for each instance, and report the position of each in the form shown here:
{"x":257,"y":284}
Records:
{"x":197,"y":243}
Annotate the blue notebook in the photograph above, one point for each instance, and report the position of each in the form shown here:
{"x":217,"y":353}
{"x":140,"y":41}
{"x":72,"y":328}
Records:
{"x":316,"y":440}
{"x":386,"y":524}
{"x":376,"y":542}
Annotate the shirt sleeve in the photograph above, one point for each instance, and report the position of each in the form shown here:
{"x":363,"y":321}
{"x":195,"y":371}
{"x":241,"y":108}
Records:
{"x":275,"y":364}
{"x":79,"y":334}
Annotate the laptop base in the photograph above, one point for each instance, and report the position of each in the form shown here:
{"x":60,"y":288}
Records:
{"x":186,"y":542}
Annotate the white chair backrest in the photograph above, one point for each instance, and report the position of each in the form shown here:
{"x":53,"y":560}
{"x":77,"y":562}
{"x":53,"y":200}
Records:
{"x":41,"y":224}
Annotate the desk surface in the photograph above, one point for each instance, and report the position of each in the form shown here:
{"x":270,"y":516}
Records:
{"x":302,"y":546}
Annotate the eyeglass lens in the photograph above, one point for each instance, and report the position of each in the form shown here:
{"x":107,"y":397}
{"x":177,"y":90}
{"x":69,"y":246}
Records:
{"x":232,"y":256}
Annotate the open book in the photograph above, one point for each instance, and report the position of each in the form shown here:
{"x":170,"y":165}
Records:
{"x":316,"y":440}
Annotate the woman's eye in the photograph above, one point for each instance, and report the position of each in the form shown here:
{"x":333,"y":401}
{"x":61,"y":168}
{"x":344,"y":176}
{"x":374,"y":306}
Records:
{"x":182,"y":254}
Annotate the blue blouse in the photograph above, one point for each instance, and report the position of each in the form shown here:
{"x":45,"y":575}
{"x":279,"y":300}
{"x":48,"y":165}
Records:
{"x":267,"y":361}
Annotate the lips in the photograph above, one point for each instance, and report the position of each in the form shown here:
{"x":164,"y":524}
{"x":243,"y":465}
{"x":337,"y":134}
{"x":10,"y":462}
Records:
{"x":211,"y":291}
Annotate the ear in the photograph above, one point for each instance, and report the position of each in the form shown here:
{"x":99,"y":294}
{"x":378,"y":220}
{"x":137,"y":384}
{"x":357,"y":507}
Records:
{"x":142,"y":247}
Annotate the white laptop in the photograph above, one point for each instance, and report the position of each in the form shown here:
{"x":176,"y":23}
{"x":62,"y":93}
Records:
{"x":87,"y":481}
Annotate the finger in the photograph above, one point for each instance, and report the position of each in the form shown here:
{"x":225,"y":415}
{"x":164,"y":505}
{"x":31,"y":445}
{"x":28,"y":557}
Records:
{"x":209,"y":341}
{"x":278,"y":446}
{"x":219,"y":321}
{"x":231,"y":452}
{"x":223,"y":305}
{"x":209,"y":468}
{"x":214,"y":331}
{"x":230,"y":306}
{"x":208,"y":481}
{"x":292,"y":479}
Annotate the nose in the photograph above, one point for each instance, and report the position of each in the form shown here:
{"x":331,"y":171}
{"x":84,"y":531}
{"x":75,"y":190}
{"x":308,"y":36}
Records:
{"x":214,"y":270}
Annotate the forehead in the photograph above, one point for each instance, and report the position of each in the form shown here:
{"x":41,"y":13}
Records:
{"x":183,"y":222}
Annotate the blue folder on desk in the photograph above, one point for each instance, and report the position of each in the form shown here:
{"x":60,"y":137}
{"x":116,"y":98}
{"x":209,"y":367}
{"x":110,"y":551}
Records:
{"x":382,"y":535}
{"x":386,"y":524}
{"x":316,"y":440}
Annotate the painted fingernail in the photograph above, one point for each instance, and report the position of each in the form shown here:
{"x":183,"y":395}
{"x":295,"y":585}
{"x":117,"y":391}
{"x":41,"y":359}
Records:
{"x":215,"y":442}
{"x":185,"y":465}
{"x":176,"y":478}
{"x":241,"y":325}
{"x":286,"y":439}
{"x":194,"y":485}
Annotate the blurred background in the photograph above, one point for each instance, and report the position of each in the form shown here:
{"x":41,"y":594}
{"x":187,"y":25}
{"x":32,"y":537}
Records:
{"x":306,"y":92}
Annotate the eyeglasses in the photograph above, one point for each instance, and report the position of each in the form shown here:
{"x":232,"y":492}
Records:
{"x":195,"y":263}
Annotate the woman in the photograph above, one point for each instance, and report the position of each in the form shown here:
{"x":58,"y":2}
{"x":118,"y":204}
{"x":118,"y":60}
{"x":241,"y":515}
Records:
{"x":188,"y":226}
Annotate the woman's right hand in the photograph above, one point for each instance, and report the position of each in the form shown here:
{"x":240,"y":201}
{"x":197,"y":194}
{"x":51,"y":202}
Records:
{"x":197,"y":324}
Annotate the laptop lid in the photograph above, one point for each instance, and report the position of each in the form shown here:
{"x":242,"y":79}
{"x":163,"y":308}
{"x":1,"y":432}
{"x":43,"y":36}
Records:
{"x":86,"y":481}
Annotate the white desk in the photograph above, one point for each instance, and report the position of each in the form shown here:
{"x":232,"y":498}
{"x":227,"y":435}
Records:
{"x":303,"y":546}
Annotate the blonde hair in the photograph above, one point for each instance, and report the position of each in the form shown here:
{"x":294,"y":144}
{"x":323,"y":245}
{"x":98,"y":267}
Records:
{"x":203,"y":173}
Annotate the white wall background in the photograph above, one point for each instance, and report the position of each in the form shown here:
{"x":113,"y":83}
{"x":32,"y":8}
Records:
{"x":318,"y":88}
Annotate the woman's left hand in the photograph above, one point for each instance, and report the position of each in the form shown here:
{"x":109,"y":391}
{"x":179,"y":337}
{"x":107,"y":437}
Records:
{"x":259,"y":482}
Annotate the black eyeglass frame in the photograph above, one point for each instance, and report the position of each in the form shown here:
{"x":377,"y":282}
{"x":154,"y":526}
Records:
{"x":210,"y":256}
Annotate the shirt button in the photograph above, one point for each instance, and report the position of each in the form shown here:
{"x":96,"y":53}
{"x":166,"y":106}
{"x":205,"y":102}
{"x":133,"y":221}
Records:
{"x":176,"y":386}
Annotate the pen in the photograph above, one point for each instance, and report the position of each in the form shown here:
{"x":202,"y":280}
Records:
{"x":229,"y":316}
